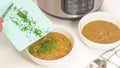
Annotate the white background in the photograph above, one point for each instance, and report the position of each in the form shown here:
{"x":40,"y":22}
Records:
{"x":10,"y":58}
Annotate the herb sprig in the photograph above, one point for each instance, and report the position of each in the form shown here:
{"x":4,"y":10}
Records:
{"x":47,"y":46}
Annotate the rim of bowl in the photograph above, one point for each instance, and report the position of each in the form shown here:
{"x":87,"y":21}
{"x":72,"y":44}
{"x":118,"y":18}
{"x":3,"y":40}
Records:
{"x":80,"y":26}
{"x":64,"y":57}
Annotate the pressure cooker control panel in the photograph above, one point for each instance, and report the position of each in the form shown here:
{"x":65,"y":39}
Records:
{"x":77,"y":7}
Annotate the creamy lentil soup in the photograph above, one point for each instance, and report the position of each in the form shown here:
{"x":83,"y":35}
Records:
{"x":53,"y":46}
{"x":101,"y":31}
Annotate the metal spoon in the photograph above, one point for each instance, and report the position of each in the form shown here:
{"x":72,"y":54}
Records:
{"x":98,"y":63}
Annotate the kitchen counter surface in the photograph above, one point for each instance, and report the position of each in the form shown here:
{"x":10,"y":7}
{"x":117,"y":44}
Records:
{"x":10,"y":58}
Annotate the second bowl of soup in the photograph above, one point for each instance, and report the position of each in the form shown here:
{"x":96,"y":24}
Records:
{"x":100,"y":30}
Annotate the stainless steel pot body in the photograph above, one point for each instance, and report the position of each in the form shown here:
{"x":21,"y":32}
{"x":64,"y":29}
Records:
{"x":69,"y":8}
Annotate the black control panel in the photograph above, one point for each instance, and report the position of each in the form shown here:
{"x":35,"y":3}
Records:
{"x":77,"y":7}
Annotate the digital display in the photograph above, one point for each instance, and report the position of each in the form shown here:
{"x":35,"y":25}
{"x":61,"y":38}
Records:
{"x":75,"y":7}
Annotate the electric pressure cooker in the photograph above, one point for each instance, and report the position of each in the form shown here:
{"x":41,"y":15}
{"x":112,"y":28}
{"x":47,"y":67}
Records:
{"x":69,"y":8}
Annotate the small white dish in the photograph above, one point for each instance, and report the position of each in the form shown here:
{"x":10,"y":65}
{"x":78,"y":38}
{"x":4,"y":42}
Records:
{"x":62,"y":60}
{"x":105,"y":16}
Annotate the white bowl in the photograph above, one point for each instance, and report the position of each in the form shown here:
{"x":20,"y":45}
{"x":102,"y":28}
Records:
{"x":98,"y":16}
{"x":62,"y":60}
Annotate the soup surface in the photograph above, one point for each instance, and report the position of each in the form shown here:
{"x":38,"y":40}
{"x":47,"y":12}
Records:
{"x":101,"y":31}
{"x":52,"y":46}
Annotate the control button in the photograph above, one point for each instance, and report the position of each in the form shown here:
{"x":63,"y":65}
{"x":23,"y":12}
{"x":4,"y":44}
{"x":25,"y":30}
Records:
{"x":83,"y":6}
{"x":90,"y":7}
{"x":90,"y":2}
{"x":68,"y":2}
{"x":83,"y":0}
{"x":76,"y":1}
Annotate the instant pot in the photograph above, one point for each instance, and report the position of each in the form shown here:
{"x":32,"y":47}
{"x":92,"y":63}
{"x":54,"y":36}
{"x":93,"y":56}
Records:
{"x":69,"y":8}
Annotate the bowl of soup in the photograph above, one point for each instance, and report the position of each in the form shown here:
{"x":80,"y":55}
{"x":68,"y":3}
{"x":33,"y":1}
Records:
{"x":56,"y":48}
{"x":100,"y":30}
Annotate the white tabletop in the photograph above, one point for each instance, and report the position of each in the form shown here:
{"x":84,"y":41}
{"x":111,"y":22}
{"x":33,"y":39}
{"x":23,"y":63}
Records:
{"x":10,"y":58}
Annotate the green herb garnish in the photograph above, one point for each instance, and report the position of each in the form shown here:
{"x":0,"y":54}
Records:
{"x":25,"y":22}
{"x":47,"y":46}
{"x":22,"y":14}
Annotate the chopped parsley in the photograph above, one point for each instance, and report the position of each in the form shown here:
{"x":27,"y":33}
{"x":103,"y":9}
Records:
{"x":47,"y":46}
{"x":25,"y":22}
